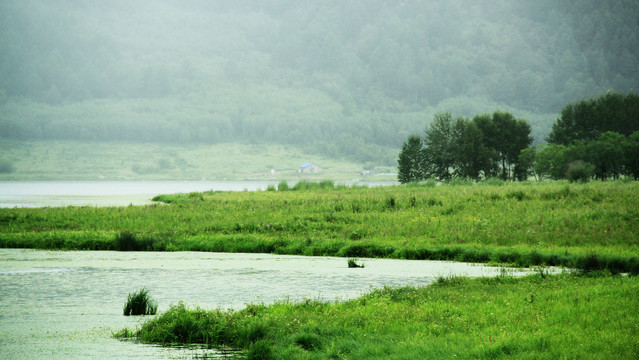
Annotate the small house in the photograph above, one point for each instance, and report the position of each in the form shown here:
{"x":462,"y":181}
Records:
{"x":309,"y":168}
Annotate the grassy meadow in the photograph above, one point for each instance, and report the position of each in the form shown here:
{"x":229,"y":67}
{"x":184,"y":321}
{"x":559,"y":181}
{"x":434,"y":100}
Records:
{"x":84,"y":160}
{"x":590,"y":226}
{"x":536,"y":317}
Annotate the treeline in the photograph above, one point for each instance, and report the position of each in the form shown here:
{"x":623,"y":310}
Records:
{"x":595,"y":138}
{"x":486,"y":146}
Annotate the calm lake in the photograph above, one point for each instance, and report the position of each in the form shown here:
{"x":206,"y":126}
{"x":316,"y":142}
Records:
{"x":67,"y":304}
{"x":118,"y":193}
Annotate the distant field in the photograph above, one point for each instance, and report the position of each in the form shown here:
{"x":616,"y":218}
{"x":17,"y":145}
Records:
{"x":593,"y":226}
{"x":80,"y":160}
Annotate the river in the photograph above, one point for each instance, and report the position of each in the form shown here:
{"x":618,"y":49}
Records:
{"x":67,"y":304}
{"x":118,"y":193}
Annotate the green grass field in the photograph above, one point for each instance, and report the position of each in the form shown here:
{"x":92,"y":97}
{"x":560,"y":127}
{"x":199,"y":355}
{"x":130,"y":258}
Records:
{"x":591,"y":226}
{"x":78,"y":160}
{"x":537,"y":317}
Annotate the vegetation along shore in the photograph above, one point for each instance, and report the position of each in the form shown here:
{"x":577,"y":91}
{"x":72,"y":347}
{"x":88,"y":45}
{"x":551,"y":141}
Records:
{"x":590,"y":226}
{"x":536,"y":317}
{"x":589,"y":314}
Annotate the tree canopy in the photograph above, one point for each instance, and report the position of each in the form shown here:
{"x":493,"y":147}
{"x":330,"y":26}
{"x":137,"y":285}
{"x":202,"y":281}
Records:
{"x":461,"y":148}
{"x":588,"y":119}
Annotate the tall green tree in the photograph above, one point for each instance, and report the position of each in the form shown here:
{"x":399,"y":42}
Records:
{"x":588,"y":119}
{"x":472,"y":155}
{"x":507,"y":136}
{"x":607,"y":154}
{"x":526,"y":165}
{"x":550,"y":162}
{"x":439,"y":148}
{"x":409,"y":164}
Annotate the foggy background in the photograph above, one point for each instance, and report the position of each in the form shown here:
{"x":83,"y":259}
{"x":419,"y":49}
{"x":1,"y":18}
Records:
{"x":345,"y":79}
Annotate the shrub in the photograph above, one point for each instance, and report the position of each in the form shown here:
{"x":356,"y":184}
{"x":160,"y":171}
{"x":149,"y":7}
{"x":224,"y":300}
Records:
{"x":493,"y":181}
{"x":283,"y":186}
{"x":270,"y":187}
{"x":126,"y":241}
{"x":430,"y":183}
{"x":140,"y":303}
{"x":580,"y":171}
{"x":327,"y":184}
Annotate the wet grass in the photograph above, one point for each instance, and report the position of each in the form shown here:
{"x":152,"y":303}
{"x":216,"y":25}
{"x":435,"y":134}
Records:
{"x":590,"y":226}
{"x":352,"y":263}
{"x":140,"y":303}
{"x":567,"y":316}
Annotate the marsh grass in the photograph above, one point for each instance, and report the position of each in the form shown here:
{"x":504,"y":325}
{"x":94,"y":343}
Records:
{"x":140,"y":303}
{"x":592,"y":226}
{"x":352,"y":263}
{"x":535,"y":317}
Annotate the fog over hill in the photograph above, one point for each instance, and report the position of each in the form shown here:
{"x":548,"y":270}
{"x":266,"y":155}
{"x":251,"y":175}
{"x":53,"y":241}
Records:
{"x":347,"y":79}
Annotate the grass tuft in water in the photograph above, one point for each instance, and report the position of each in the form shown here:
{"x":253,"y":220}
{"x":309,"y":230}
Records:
{"x":140,"y":303}
{"x":352,"y":263}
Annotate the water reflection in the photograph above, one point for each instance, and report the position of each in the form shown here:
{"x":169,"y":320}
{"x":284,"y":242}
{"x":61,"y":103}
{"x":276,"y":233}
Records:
{"x":64,"y":305}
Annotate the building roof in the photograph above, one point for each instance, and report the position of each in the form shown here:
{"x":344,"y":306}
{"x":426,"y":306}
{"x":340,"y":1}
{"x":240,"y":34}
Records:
{"x":306,"y":165}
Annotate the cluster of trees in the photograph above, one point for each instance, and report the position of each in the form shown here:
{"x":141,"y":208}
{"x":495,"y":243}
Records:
{"x":486,"y":146}
{"x":593,"y":138}
{"x":611,"y":155}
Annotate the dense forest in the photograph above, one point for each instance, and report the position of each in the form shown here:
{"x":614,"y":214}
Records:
{"x":343,"y":78}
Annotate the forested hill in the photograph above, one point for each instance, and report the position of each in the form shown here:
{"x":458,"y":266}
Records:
{"x":338,"y":77}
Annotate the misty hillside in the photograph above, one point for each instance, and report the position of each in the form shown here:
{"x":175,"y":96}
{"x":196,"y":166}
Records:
{"x":342,"y":78}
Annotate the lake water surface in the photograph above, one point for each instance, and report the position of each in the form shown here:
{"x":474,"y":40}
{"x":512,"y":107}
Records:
{"x":117,"y":193}
{"x":67,"y":304}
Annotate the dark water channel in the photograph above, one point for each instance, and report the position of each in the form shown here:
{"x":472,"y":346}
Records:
{"x":66,"y":305}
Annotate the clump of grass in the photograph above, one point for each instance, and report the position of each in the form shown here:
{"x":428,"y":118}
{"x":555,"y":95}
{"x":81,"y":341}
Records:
{"x":352,"y":263}
{"x":260,"y":350}
{"x":140,"y":303}
{"x":493,"y":181}
{"x":128,"y":241}
{"x":308,"y":341}
{"x":283,"y":186}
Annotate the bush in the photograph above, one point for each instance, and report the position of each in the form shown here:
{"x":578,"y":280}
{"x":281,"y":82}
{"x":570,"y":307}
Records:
{"x":128,"y":241}
{"x":580,"y":171}
{"x":493,"y":181}
{"x":283,"y":186}
{"x":140,"y":303}
{"x":430,"y":183}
